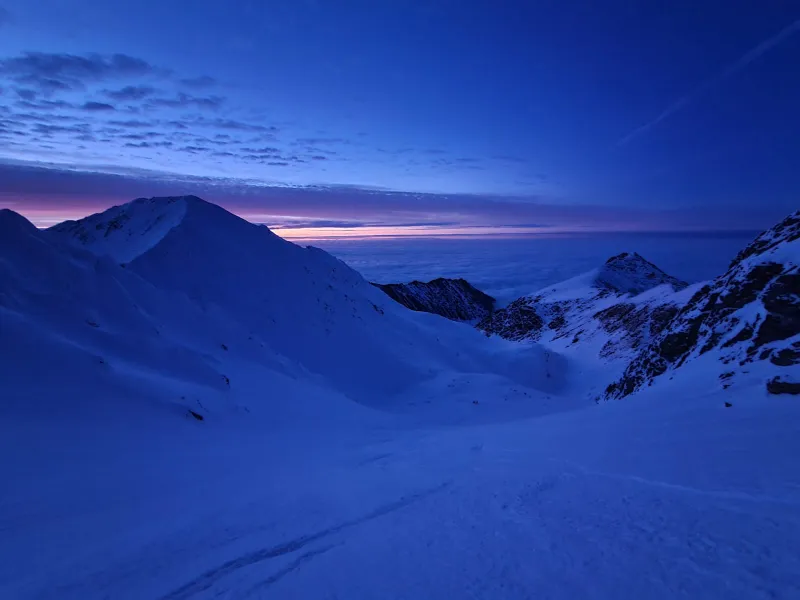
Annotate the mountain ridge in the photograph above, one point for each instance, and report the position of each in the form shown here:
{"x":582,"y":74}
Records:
{"x":749,"y":314}
{"x":622,"y":304}
{"x":224,"y":293}
{"x":454,"y":299}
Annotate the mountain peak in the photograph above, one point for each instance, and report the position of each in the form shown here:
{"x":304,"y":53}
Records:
{"x":630,"y":273}
{"x":13,"y":223}
{"x":622,"y":256}
{"x":128,"y":230}
{"x":164,"y":201}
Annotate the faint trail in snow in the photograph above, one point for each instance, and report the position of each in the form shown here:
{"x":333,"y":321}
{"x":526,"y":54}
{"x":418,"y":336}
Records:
{"x":298,"y":562}
{"x":373,"y":459}
{"x":720,"y":494}
{"x":210,"y":577}
{"x":727,"y":495}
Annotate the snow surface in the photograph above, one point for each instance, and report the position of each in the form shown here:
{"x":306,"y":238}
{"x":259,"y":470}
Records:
{"x":127,"y":231}
{"x":672,"y":495}
{"x":349,"y":448}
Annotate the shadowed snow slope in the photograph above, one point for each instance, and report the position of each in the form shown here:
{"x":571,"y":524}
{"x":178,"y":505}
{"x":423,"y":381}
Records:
{"x":203,"y":292}
{"x":77,"y":321}
{"x":673,"y":495}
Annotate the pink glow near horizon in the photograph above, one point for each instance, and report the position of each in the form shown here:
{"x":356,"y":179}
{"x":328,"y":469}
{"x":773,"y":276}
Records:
{"x":48,"y":216}
{"x":44,"y":218}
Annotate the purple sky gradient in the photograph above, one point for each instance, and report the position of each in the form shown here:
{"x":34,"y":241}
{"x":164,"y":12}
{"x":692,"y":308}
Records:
{"x":457,"y":116}
{"x":50,"y":195}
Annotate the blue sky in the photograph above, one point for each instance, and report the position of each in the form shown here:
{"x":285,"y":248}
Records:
{"x":461,"y":113}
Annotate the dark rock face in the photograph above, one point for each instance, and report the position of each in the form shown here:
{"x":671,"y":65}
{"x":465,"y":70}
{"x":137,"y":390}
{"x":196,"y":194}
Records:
{"x":635,"y":324}
{"x":786,"y":357}
{"x":455,"y":299}
{"x":776,"y":385}
{"x":518,"y":321}
{"x":749,"y":314}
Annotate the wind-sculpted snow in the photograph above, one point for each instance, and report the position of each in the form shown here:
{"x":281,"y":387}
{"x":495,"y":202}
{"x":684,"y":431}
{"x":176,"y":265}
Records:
{"x":749,"y":314}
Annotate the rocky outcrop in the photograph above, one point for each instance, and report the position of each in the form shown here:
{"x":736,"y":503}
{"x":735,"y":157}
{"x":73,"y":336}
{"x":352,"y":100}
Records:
{"x":751,"y":313}
{"x":455,"y":299}
{"x":778,"y":385}
{"x":518,"y":321}
{"x":632,"y":325}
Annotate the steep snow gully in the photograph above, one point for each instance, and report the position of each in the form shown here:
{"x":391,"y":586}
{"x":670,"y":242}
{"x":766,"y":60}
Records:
{"x":192,"y":407}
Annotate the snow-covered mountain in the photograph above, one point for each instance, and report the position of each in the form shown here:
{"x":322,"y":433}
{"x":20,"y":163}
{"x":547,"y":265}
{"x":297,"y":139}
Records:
{"x":630,"y":273}
{"x":746,"y":320}
{"x":614,"y":309}
{"x":178,"y":282}
{"x":98,"y":330}
{"x":129,"y":230}
{"x":455,"y":299}
{"x":322,"y":457}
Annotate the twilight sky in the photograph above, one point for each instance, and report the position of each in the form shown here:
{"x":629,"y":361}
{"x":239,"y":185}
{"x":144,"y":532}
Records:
{"x":345,"y":117}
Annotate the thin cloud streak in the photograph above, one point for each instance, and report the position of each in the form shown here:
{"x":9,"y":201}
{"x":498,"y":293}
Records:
{"x":730,"y":70}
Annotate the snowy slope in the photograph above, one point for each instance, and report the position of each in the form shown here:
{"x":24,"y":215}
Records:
{"x":455,"y":299}
{"x":750,"y":314}
{"x":308,"y":308}
{"x":127,"y":231}
{"x":608,"y":312}
{"x":672,"y":496}
{"x":77,"y":321}
{"x":290,"y":489}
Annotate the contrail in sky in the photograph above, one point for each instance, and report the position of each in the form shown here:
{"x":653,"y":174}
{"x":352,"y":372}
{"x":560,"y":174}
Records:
{"x":731,"y":69}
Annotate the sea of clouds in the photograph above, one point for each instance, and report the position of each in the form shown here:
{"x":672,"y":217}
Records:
{"x":512,"y":267}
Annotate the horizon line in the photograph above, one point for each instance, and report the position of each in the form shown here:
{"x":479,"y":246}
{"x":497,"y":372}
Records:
{"x":485,"y":232}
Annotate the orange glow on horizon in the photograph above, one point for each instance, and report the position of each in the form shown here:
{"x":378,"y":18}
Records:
{"x":320,"y":233}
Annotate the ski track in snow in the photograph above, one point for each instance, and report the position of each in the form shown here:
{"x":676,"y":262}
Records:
{"x":210,"y":577}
